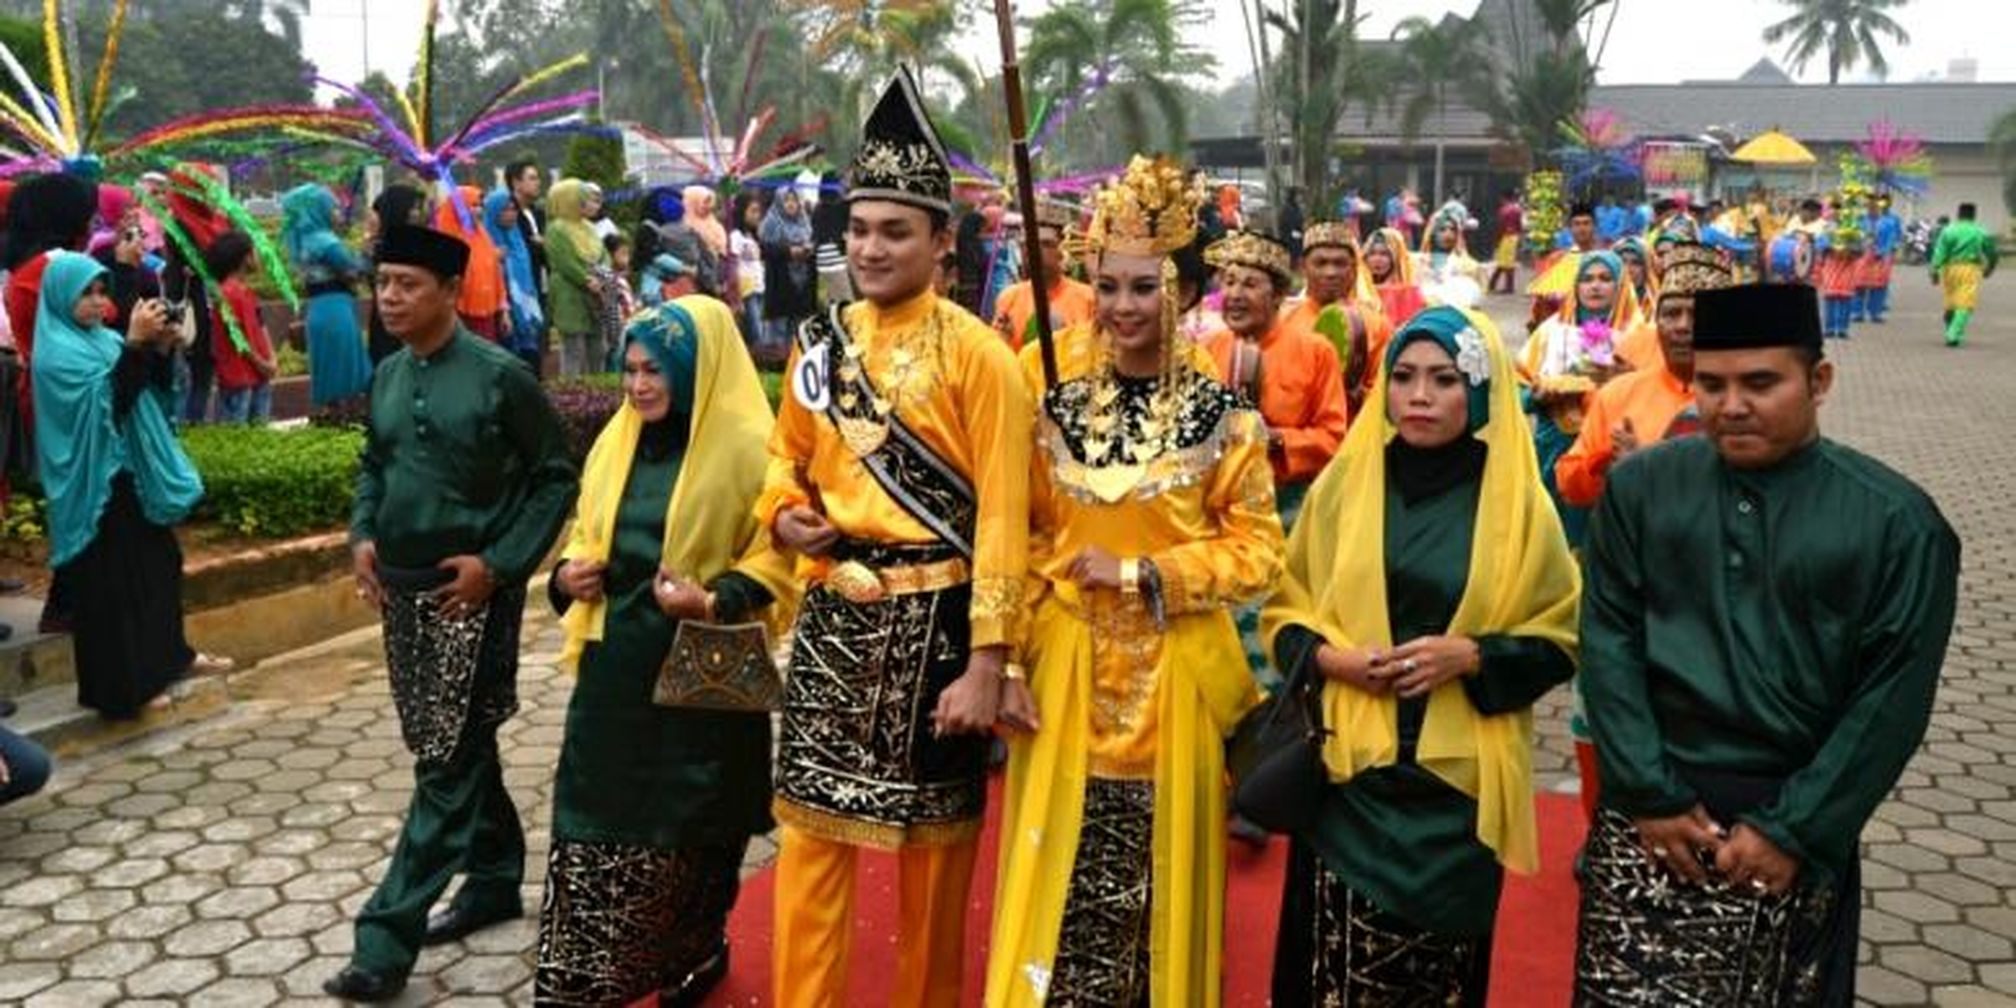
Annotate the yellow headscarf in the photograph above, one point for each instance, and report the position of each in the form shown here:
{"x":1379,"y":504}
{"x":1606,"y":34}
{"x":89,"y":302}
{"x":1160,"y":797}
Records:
{"x":710,"y":524}
{"x":565,"y":202}
{"x":1403,"y":261}
{"x":1522,"y":581}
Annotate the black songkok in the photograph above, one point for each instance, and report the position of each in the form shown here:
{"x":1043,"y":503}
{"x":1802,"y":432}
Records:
{"x":407,"y":245}
{"x":1754,"y":316}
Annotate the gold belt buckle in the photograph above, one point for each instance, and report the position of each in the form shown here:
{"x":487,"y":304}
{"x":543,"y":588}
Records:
{"x":857,"y":583}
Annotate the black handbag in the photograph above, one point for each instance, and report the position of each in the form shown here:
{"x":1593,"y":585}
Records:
{"x":1276,"y":758}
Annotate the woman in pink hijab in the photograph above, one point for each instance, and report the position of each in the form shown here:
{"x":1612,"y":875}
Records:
{"x":116,"y":212}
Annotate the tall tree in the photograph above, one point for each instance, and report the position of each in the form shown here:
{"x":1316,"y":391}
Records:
{"x":2002,"y":141}
{"x":1549,"y":51}
{"x":1438,"y":60}
{"x":1321,"y":71}
{"x":1845,"y":30}
{"x":1140,"y":47}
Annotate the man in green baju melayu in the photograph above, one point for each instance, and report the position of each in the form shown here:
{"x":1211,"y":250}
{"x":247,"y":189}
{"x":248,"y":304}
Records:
{"x":1964,"y":255}
{"x":1764,"y":619}
{"x":463,"y":486}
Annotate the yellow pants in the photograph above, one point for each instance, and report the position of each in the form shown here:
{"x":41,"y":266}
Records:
{"x":815,"y":922}
{"x":1961,"y":283}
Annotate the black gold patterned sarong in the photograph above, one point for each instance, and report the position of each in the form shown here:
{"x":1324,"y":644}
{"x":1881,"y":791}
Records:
{"x":1102,"y":949}
{"x":623,"y":921}
{"x":448,"y":673}
{"x":857,"y":762}
{"x":1338,"y":949}
{"x":1647,"y":939}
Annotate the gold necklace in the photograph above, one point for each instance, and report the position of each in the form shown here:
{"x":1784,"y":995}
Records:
{"x":907,"y":376}
{"x":1112,"y":475}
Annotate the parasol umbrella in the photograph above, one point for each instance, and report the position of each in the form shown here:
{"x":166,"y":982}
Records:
{"x":1558,"y":279}
{"x":1772,"y":147}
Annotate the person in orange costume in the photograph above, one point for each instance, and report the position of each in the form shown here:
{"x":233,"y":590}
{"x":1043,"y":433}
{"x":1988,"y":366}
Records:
{"x":483,"y":306}
{"x":1635,"y":411}
{"x":898,"y":474}
{"x":1295,"y":378}
{"x":1334,"y":276}
{"x":1070,"y":301}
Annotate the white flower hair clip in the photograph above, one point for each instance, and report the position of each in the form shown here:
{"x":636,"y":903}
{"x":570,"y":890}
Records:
{"x":1471,"y":357}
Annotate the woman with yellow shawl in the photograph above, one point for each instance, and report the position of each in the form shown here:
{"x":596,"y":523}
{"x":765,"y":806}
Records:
{"x":1152,"y":515}
{"x":1572,"y":354}
{"x":1391,"y":271}
{"x":1448,"y":274}
{"x":1429,"y":590}
{"x":573,"y":250}
{"x":653,"y":806}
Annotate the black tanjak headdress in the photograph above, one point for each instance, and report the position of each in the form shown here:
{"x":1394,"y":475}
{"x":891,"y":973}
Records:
{"x":901,"y":158}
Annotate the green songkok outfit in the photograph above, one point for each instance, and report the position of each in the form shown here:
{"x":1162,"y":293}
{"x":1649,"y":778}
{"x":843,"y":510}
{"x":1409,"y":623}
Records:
{"x":464,"y":456}
{"x":1764,"y":643}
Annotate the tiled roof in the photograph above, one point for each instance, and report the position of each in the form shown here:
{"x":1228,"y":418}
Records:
{"x":1935,"y":112}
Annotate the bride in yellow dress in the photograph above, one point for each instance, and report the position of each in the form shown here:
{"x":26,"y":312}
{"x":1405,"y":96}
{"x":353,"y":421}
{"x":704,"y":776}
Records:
{"x":1152,"y":516}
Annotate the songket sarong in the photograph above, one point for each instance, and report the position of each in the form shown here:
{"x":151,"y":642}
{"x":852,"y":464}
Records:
{"x":1339,"y":948}
{"x":857,"y":762}
{"x":451,"y":676}
{"x":1102,"y":950}
{"x":623,"y":921}
{"x":1646,"y":938}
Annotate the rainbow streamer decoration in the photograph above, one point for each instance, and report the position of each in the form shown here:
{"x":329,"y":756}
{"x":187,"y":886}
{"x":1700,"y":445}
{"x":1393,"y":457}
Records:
{"x":1896,"y":161}
{"x":1051,"y":118}
{"x":1599,"y":149}
{"x":54,"y":131}
{"x":192,"y":255}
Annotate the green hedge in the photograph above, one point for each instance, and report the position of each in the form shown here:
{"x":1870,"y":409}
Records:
{"x":262,"y":481}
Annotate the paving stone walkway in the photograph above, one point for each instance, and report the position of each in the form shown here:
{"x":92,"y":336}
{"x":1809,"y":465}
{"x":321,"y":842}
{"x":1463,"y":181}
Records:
{"x":221,"y":865}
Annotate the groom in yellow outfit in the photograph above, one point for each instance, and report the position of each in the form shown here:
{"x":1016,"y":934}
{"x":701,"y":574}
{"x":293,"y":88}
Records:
{"x":898,"y":475}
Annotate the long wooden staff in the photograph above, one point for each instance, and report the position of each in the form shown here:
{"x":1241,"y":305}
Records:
{"x":1025,"y":185}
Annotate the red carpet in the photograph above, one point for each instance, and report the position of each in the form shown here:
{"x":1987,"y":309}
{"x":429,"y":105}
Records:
{"x":1532,"y":966}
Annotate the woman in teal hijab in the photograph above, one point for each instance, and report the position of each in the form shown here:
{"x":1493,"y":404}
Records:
{"x":117,"y":481}
{"x":338,"y":367}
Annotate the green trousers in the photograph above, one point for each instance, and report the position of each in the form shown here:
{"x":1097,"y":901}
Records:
{"x":461,"y":821}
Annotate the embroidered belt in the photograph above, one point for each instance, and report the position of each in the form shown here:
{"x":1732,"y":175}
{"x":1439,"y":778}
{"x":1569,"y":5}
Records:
{"x":863,"y":585}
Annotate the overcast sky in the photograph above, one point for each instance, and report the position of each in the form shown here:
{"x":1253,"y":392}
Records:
{"x":1648,"y":43}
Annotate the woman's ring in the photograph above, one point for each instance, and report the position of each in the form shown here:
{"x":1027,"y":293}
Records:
{"x":1407,"y":666}
{"x":1759,"y":885}
{"x":1660,"y":852}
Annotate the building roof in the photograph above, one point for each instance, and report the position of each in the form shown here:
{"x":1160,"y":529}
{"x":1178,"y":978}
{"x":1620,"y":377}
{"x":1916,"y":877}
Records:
{"x":1938,"y":113}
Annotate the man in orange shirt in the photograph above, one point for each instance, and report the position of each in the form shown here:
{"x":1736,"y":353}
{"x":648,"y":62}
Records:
{"x":1649,"y":405}
{"x":1359,"y":329}
{"x":1294,"y":377}
{"x":1070,"y":301}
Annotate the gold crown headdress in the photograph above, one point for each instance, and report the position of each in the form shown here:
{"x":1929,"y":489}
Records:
{"x":1251,"y":249}
{"x":1329,"y":234}
{"x":1692,"y":268}
{"x":1150,"y":210}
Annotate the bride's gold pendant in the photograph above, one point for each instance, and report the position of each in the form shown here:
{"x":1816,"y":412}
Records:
{"x":1112,"y":483}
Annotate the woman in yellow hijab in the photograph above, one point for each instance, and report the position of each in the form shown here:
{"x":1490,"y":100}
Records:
{"x":573,"y":251}
{"x":1152,"y":514}
{"x":653,"y":806}
{"x":1429,"y":590}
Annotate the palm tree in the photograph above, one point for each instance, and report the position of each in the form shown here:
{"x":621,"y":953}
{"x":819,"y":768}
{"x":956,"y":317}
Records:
{"x":1320,"y":72}
{"x":1139,"y":46}
{"x":1546,"y":69}
{"x":2002,"y":141}
{"x":1845,"y":29}
{"x":1437,"y":59}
